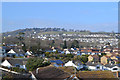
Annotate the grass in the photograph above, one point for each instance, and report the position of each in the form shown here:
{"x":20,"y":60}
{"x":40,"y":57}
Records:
{"x":19,"y":57}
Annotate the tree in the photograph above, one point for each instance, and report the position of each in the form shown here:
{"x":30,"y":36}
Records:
{"x":65,"y":45}
{"x":83,"y":59}
{"x":36,"y":48}
{"x":53,"y":43}
{"x":7,"y":76}
{"x":34,"y":63}
{"x":75,"y":43}
{"x":20,"y":37}
{"x":72,"y":46}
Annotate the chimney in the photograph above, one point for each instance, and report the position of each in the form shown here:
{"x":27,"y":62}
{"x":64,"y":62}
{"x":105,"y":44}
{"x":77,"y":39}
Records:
{"x":117,"y":74}
{"x":62,"y":65}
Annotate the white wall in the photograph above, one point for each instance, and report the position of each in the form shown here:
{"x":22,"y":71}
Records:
{"x":6,"y":63}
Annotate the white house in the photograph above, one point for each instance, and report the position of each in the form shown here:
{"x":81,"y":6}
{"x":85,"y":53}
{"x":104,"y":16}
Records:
{"x":12,"y":51}
{"x":95,"y":66}
{"x":28,"y":53}
{"x":15,"y":63}
{"x":67,"y":52}
{"x":70,"y":63}
{"x":54,"y":50}
{"x":115,"y":69}
{"x":112,"y":67}
{"x":6,"y":64}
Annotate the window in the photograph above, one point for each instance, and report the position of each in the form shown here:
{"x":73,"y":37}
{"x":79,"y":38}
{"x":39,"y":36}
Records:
{"x":17,"y":65}
{"x":115,"y":68}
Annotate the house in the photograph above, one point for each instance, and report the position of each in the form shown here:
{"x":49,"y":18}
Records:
{"x":86,"y":50}
{"x":70,"y":63}
{"x":104,"y":60}
{"x":3,"y":49}
{"x":115,"y":50}
{"x":79,"y":64}
{"x":28,"y":53}
{"x":57,"y":63}
{"x":67,"y":52}
{"x":112,"y":67}
{"x":54,"y":50}
{"x":93,"y":58}
{"x":113,"y":61}
{"x":94,"y":66}
{"x":49,"y":50}
{"x":115,"y":57}
{"x":15,"y":52}
{"x":11,"y":53}
{"x":19,"y":51}
{"x":108,"y":51}
{"x":15,"y":63}
{"x":90,"y":58}
{"x":109,"y":54}
{"x":76,"y":52}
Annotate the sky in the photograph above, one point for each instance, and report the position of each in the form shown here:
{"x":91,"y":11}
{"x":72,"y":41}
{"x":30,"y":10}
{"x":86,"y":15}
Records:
{"x":93,"y":16}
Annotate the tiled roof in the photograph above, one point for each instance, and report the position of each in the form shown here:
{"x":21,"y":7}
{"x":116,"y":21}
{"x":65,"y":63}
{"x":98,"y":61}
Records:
{"x":95,"y":75}
{"x":50,"y":72}
{"x":17,"y":61}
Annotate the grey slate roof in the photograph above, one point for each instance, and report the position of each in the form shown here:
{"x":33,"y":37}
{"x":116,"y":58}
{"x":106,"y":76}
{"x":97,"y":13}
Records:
{"x":109,"y":65}
{"x":92,"y":64}
{"x":17,"y":61}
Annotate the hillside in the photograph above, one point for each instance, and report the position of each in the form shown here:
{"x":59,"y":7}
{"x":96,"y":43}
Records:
{"x":39,"y":31}
{"x":43,"y":31}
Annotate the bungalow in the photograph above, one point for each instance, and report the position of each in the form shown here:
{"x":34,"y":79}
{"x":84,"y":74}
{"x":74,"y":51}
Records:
{"x":79,"y":64}
{"x":11,"y":53}
{"x":111,"y":67}
{"x":15,"y":52}
{"x":94,"y":66}
{"x":115,"y":57}
{"x":67,"y":52}
{"x":15,"y":63}
{"x":70,"y":63}
{"x":28,"y":53}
